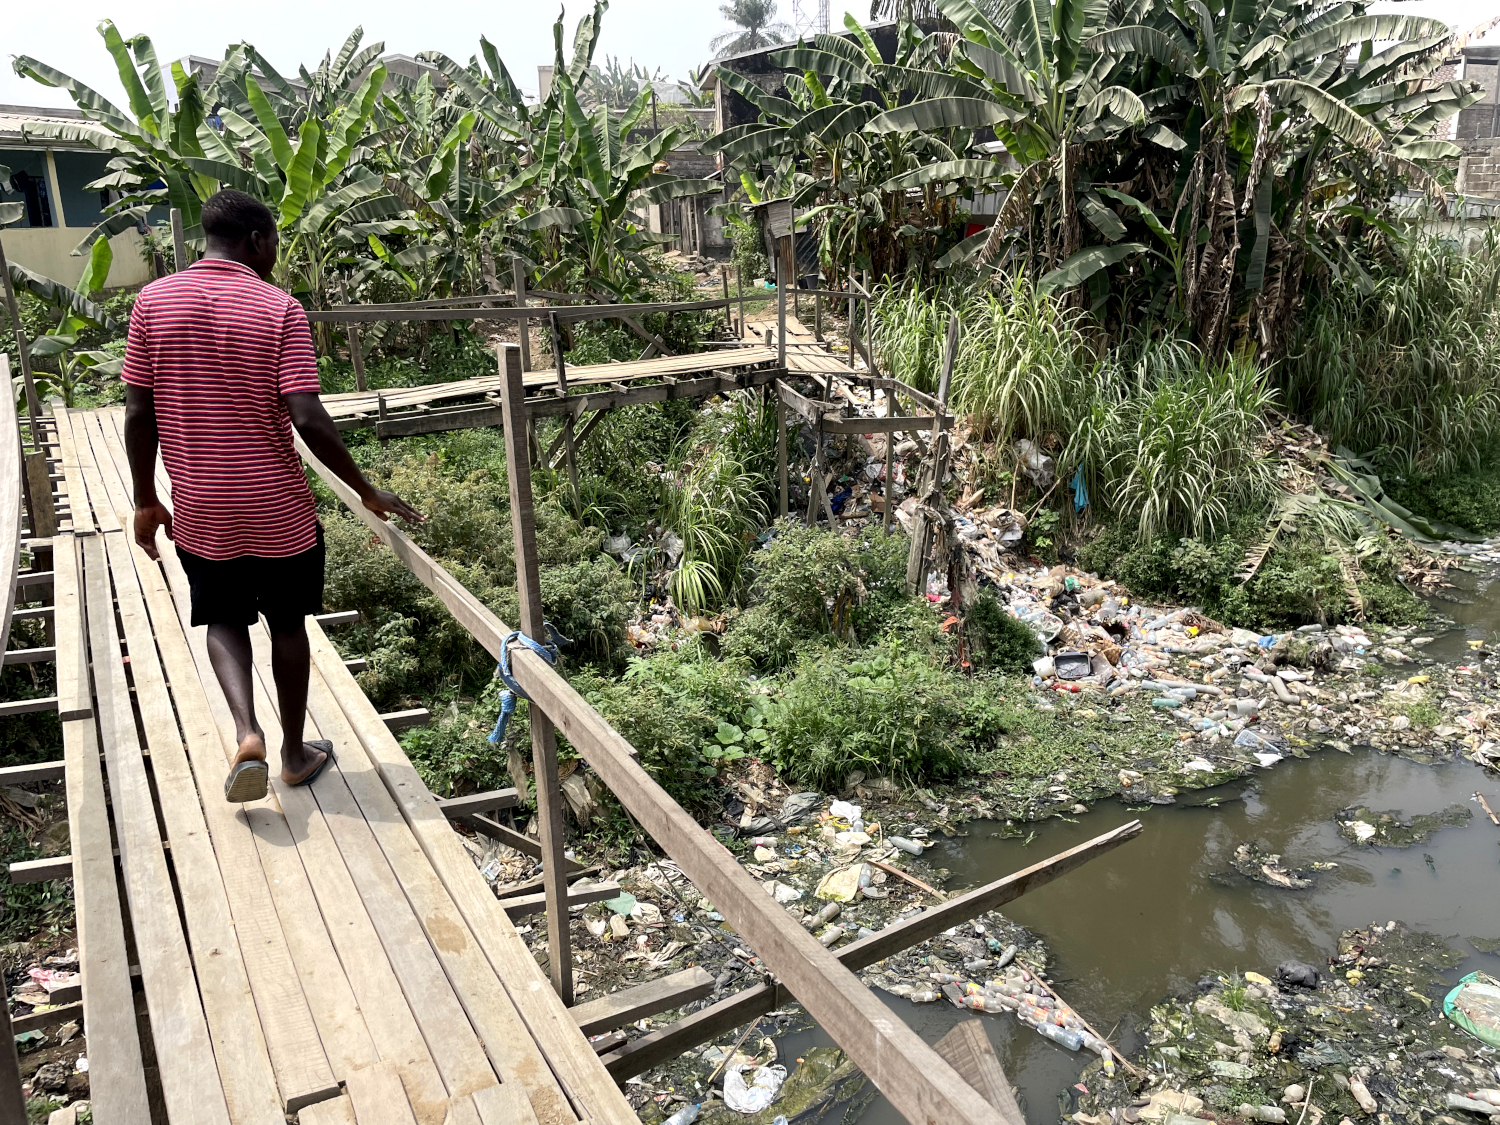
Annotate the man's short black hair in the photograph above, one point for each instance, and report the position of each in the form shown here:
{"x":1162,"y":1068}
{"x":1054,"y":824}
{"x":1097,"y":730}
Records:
{"x":230,"y":216}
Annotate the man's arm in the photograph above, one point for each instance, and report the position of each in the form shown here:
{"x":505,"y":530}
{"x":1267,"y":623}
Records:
{"x":140,"y":448}
{"x":316,"y":428}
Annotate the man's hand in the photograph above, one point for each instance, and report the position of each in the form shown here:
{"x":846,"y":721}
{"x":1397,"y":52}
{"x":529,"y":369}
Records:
{"x":147,"y":520}
{"x":386,"y":504}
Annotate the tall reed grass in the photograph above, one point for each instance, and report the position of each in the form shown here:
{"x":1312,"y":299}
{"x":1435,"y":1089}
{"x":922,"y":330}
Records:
{"x":1406,"y":370}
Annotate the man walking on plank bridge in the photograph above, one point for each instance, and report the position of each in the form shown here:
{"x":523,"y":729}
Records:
{"x":219,"y":367}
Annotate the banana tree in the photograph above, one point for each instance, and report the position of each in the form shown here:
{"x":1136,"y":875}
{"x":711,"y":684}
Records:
{"x":816,"y":141}
{"x":60,"y":345}
{"x":150,"y":144}
{"x":1026,"y":76}
{"x":1283,"y":119}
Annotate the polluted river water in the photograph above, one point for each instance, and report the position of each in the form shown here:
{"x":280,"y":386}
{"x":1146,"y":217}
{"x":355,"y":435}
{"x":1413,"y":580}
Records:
{"x":1152,"y":917}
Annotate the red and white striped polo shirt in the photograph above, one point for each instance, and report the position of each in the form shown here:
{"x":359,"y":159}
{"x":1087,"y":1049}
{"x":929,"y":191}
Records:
{"x":218,"y":347}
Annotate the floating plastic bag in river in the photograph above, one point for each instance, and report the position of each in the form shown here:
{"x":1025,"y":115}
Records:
{"x":757,"y":1093}
{"x":1475,"y":1006}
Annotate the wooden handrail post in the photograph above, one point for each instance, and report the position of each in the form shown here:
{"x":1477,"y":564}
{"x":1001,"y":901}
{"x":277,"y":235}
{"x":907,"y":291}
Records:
{"x":781,"y":448}
{"x":543,"y":737}
{"x":33,"y":404}
{"x":921,"y":534}
{"x":179,"y":241}
{"x":356,"y":352}
{"x":518,"y":276}
{"x":781,"y":284}
{"x":739,"y":284}
{"x":12,"y":1100}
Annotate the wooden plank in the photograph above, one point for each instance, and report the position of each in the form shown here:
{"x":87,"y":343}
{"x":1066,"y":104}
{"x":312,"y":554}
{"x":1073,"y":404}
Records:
{"x":534,"y":884}
{"x":488,"y":801}
{"x":250,"y":1076}
{"x":543,"y":737}
{"x":357,"y":665}
{"x":261,"y":1072}
{"x":378,"y":1097}
{"x":519,"y":906}
{"x":117,"y":1079}
{"x":335,"y":1111}
{"x":27,"y":578}
{"x":41,"y":870}
{"x":503,"y":1105}
{"x":31,"y":612}
{"x":30,"y":706}
{"x":584,"y":1079}
{"x":968,"y":1050}
{"x":42,"y":771}
{"x":484,"y":999}
{"x":191,"y":1086}
{"x":917,"y":1082}
{"x":362,"y":1017}
{"x":39,"y":483}
{"x":630,"y":1004}
{"x":48,"y":1017}
{"x":733,"y":1011}
{"x":10,"y":489}
{"x":30,"y":655}
{"x":403,"y":720}
{"x":335,"y":620}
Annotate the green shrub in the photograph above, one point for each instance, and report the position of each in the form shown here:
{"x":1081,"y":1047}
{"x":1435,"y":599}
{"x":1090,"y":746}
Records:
{"x":997,"y":641}
{"x":1470,"y":500}
{"x":810,"y":584}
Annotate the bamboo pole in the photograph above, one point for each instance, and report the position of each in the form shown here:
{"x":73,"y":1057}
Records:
{"x":543,"y":737}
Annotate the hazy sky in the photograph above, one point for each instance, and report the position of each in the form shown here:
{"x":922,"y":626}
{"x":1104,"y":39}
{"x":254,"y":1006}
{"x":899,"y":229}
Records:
{"x":670,"y":34}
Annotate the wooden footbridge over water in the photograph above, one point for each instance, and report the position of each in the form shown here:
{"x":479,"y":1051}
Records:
{"x":331,"y":954}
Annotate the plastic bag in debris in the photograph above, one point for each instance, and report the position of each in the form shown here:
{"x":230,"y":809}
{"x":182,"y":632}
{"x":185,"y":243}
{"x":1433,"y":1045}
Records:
{"x":845,"y":810}
{"x":797,"y":806}
{"x":1036,"y":464}
{"x":755,"y":1093}
{"x":616,"y":544}
{"x":843,"y":883}
{"x":1475,"y":1006}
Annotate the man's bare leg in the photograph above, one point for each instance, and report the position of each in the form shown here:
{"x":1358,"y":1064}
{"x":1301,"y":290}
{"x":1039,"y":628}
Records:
{"x":291,"y":665}
{"x":229,"y":652}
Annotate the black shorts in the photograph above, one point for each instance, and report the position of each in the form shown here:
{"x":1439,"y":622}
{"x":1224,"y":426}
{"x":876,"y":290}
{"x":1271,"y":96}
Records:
{"x":237,"y":591}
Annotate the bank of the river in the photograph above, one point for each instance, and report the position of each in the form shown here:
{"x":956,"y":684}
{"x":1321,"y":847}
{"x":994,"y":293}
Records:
{"x":1254,"y":862}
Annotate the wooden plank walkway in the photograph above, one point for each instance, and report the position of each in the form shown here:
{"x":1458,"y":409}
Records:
{"x":330,"y":951}
{"x":350,"y":404}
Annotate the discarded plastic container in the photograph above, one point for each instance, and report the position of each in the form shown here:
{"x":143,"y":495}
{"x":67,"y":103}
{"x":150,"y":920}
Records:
{"x":1072,"y":665}
{"x":684,"y":1116}
{"x":924,"y":997}
{"x":1063,"y":1036}
{"x":946,"y":978}
{"x":764,"y":841}
{"x":907,"y":846}
{"x":1274,"y":1114}
{"x":1166,"y":703}
{"x":831,"y":935}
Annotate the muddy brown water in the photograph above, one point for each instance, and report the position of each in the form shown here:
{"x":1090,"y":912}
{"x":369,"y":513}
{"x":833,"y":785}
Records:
{"x":1148,"y":920}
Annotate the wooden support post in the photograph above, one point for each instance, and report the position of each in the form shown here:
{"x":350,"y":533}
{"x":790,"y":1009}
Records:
{"x":356,"y":351}
{"x":739,"y":284}
{"x":12,"y":1100}
{"x":781,"y":452}
{"x":724,"y":277}
{"x":890,"y":462}
{"x":870,"y":328}
{"x":818,"y":315}
{"x":853,"y":323}
{"x":916,"y":559}
{"x":967,"y":1049}
{"x":518,"y":276}
{"x":33,"y":404}
{"x":543,"y":737}
{"x":38,"y":478}
{"x":179,"y":241}
{"x":781,"y":284}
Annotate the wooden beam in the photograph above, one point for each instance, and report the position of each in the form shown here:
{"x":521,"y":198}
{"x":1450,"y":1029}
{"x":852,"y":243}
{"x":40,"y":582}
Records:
{"x":607,"y":1042}
{"x":968,"y":1050}
{"x":357,"y":665}
{"x":35,"y":1021}
{"x":668,"y":1042}
{"x":41,"y":771}
{"x":27,"y":706}
{"x":355,"y":314}
{"x":519,"y":906}
{"x":518,"y":274}
{"x":630,"y":1004}
{"x":543,"y":737}
{"x":33,"y":578}
{"x":402,"y":720}
{"x":30,"y":655}
{"x":919,"y":1084}
{"x":40,"y":870}
{"x":484,"y":802}
{"x":336,"y":620}
{"x":31,"y":613}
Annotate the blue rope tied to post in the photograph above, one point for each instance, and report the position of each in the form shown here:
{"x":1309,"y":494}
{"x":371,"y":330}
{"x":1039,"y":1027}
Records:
{"x":513,"y":692}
